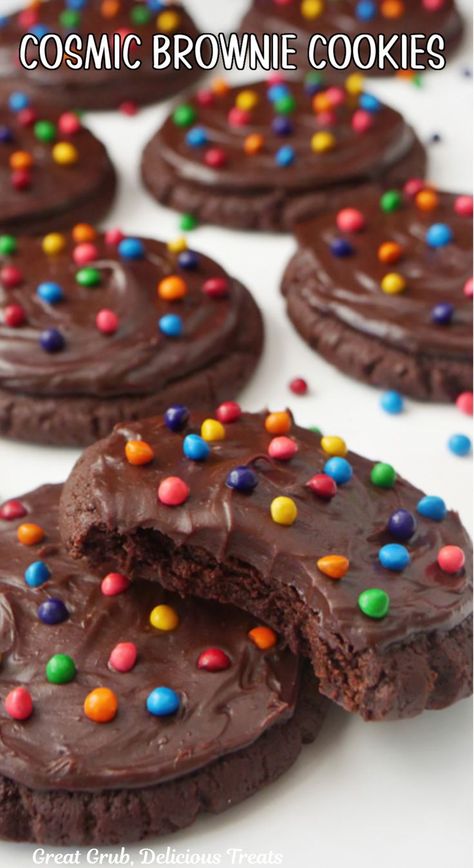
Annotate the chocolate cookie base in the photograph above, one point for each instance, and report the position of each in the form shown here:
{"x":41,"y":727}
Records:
{"x":97,"y":202}
{"x":78,"y":421}
{"x":429,"y":670}
{"x":363,"y":356}
{"x":268,"y":210}
{"x":122,"y":816}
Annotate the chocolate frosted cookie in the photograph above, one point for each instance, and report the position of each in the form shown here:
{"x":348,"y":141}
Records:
{"x":382,"y":289}
{"x":126,"y":710}
{"x":356,"y":568}
{"x":96,"y":328}
{"x":96,"y":88}
{"x":264,"y":156}
{"x":53,"y":171}
{"x":394,"y":20}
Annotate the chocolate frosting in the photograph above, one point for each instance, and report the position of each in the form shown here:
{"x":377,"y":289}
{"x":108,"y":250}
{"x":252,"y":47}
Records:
{"x":339,"y":16}
{"x":91,"y":20}
{"x":105,"y":493}
{"x":138,"y":358}
{"x":54,"y":188}
{"x":355,"y":156}
{"x":59,"y":747}
{"x":349,"y":287}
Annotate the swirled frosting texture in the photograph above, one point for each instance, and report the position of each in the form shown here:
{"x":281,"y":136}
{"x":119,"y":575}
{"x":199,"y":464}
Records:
{"x":59,"y":747}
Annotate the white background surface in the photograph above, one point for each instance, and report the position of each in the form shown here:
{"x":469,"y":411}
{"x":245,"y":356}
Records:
{"x":396,"y":794}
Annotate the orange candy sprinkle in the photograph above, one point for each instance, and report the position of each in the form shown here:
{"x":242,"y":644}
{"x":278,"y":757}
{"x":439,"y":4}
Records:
{"x":334,"y":566}
{"x":110,"y":8}
{"x":172,"y":288}
{"x":21,"y":160}
{"x":30,"y":534}
{"x":219,"y":86}
{"x":392,"y":8}
{"x":427,"y":200}
{"x":83,"y":232}
{"x":263,"y":637}
{"x":253,"y":144}
{"x":278,"y":423}
{"x":100,"y":705}
{"x":138,"y":452}
{"x":322,"y":103}
{"x":389,"y":251}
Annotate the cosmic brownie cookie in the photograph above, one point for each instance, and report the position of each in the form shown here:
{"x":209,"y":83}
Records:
{"x":53,"y":171}
{"x":356,"y":568}
{"x":126,"y":710}
{"x":387,"y":18}
{"x":264,"y":156}
{"x":382,"y":289}
{"x":96,"y":328}
{"x":96,"y":88}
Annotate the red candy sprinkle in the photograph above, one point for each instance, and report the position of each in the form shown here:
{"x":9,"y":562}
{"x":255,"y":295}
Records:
{"x":123,"y":657}
{"x":12,"y":510}
{"x":19,"y":704}
{"x":282,"y":448}
{"x":14,"y":315}
{"x":107,"y":321}
{"x":322,"y":485}
{"x":215,"y":158}
{"x":238,"y":117}
{"x":228,"y":412}
{"x":114,"y":237}
{"x":21,"y":179}
{"x":69,"y":124}
{"x":468,"y":288}
{"x":216,"y":287}
{"x":213,"y":660}
{"x":27,"y":117}
{"x":85,"y":253}
{"x":463,"y":206}
{"x":451,"y":559}
{"x":205,"y":98}
{"x":10,"y":276}
{"x":350,"y":220}
{"x":298,"y":386}
{"x":113,"y":584}
{"x":464,"y":403}
{"x":362,"y":121}
{"x":129,"y":108}
{"x":413,"y":186}
{"x":173,"y":491}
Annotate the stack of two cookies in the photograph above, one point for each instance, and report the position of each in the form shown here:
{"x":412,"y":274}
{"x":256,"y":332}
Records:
{"x":135,"y":694}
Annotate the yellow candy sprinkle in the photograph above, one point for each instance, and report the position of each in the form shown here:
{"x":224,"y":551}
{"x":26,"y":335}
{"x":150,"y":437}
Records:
{"x":164,"y":618}
{"x":355,"y":83}
{"x":246,"y":100}
{"x":53,"y":243}
{"x":283,"y":510}
{"x":312,"y":8}
{"x":393,"y":283}
{"x":178,"y":245}
{"x":65,"y":154}
{"x":323,"y":141}
{"x":167,"y":21}
{"x":212,"y":430}
{"x":334,"y":446}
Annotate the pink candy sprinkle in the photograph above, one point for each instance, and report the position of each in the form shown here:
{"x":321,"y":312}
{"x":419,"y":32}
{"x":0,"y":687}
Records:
{"x":173,"y":491}
{"x":413,"y":186}
{"x":350,"y":220}
{"x":238,"y":117}
{"x":464,"y":403}
{"x":19,"y":704}
{"x":463,"y":206}
{"x":123,"y":657}
{"x":282,"y":448}
{"x":362,"y":121}
{"x":85,"y":253}
{"x":69,"y":124}
{"x":468,"y":288}
{"x":114,"y":237}
{"x":113,"y":584}
{"x":107,"y":321}
{"x":215,"y":158}
{"x":451,"y":559}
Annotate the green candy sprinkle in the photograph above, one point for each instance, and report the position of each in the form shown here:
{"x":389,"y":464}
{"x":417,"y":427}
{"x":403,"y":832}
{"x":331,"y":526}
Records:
{"x":70,"y":18}
{"x":140,"y":15}
{"x":188,"y":222}
{"x":374,"y":603}
{"x":390,"y":201}
{"x":7,"y":245}
{"x":184,"y":115}
{"x":383,"y":475}
{"x":60,"y":669}
{"x":315,"y":430}
{"x":88,"y":277}
{"x":285,"y":105}
{"x":45,"y":131}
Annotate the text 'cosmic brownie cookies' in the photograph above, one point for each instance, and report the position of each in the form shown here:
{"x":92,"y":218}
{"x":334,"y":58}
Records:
{"x":382,"y":289}
{"x":96,"y":88}
{"x":125,"y":710}
{"x":96,"y":328}
{"x":264,"y":156}
{"x":355,"y":567}
{"x":53,"y":171}
{"x":352,"y":18}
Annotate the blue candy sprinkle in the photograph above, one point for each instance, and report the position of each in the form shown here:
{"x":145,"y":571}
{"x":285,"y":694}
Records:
{"x":432,"y":507}
{"x":51,"y":341}
{"x":37,"y":574}
{"x":285,"y":156}
{"x":242,"y":479}
{"x":6,"y":135}
{"x":195,"y":448}
{"x":394,"y":557}
{"x":341,"y":248}
{"x":188,"y":259}
{"x":459,"y":444}
{"x":52,"y":611}
{"x":277,"y":91}
{"x":171,"y":325}
{"x":18,"y":101}
{"x":401,"y":524}
{"x":366,"y":10}
{"x":39,"y":30}
{"x":369,"y":102}
{"x":338,"y":469}
{"x":438,"y":235}
{"x":392,"y":402}
{"x":50,"y":292}
{"x":282,"y":126}
{"x":162,"y":701}
{"x":176,"y":417}
{"x":442,"y":313}
{"x":131,"y":248}
{"x":196,"y":137}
